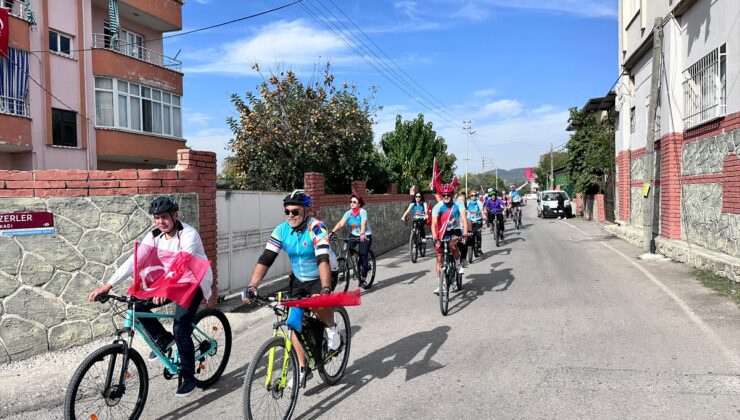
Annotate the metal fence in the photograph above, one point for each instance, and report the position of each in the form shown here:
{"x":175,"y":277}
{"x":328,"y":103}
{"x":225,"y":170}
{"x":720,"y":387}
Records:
{"x":704,"y":88}
{"x":245,"y":221}
{"x":136,"y":51}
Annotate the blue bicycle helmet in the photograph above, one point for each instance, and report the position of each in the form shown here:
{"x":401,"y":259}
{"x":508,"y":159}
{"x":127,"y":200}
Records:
{"x":297,"y":198}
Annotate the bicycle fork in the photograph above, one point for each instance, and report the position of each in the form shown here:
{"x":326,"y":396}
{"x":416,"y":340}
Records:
{"x":285,"y":364}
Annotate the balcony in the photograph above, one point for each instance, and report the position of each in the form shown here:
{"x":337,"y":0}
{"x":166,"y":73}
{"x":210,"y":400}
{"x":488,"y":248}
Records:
{"x":160,"y":15}
{"x":17,"y":8}
{"x":15,"y":135}
{"x":122,"y":146}
{"x":20,"y":24}
{"x":136,"y":64}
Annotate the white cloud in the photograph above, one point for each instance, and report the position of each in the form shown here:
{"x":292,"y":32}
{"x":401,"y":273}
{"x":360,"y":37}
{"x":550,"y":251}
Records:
{"x":543,"y":109}
{"x":196,"y":118}
{"x":585,"y":8}
{"x":213,"y":139}
{"x":482,"y":93}
{"x":504,"y":108}
{"x":471,"y":11}
{"x":283,"y":43}
{"x":202,"y":1}
{"x":409,"y":8}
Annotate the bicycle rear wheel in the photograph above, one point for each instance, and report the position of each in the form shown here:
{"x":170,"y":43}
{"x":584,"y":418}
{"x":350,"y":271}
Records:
{"x":471,"y":253}
{"x":95,"y":391}
{"x":342,"y":280}
{"x":264,"y":395}
{"x":371,"y":269}
{"x":335,"y":362}
{"x":210,"y":362}
{"x":413,"y":248}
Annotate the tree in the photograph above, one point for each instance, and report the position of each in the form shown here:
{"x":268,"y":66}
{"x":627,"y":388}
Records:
{"x":227,"y":179}
{"x":542,"y":171}
{"x":483,"y":181}
{"x":590,"y":151}
{"x":410,"y":150}
{"x":289,"y":128}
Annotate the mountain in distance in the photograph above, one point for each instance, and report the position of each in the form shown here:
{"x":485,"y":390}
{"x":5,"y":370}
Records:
{"x":511,"y":176}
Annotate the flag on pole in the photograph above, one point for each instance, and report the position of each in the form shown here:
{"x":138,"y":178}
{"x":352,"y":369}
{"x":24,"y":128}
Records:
{"x":325,"y":301}
{"x":172,"y":275}
{"x":436,"y":176}
{"x":529,"y":174}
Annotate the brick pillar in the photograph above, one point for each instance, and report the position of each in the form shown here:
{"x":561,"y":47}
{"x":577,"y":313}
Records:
{"x":670,"y":185}
{"x":313,"y":184}
{"x":359,"y":188}
{"x":392,"y":188}
{"x":623,"y":185}
{"x":599,"y":198}
{"x":579,"y":205}
{"x":201,"y":166}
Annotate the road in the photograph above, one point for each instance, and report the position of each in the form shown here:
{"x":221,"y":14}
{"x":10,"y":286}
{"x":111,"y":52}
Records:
{"x":561,"y":321}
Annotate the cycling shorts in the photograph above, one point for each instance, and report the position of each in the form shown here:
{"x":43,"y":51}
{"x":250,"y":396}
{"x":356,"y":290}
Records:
{"x":516,"y":204}
{"x":301,"y":289}
{"x":454,"y":233}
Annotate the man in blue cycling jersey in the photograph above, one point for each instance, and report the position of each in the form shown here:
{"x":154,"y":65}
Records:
{"x":306,"y":241}
{"x":516,"y":198}
{"x":474,"y":214}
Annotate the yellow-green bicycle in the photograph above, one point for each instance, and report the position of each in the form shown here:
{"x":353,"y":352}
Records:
{"x":272,"y":382}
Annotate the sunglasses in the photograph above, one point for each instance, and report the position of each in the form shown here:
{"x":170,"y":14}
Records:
{"x":446,"y":195}
{"x":294,"y":212}
{"x":417,"y":196}
{"x":354,"y":201}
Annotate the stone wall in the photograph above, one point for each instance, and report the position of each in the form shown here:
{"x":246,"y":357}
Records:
{"x":44,"y":279}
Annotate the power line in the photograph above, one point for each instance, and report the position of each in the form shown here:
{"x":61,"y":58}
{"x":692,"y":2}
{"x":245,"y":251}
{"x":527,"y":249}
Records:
{"x":195,"y":30}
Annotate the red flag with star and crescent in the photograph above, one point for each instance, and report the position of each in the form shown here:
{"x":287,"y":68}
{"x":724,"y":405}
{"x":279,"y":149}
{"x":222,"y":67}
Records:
{"x":4,"y":31}
{"x":172,"y":275}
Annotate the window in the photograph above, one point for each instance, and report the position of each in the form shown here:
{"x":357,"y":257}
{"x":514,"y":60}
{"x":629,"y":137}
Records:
{"x":126,"y":105}
{"x":632,"y":119}
{"x":64,"y":127}
{"x":132,"y":44}
{"x":704,"y":88}
{"x":60,"y":43}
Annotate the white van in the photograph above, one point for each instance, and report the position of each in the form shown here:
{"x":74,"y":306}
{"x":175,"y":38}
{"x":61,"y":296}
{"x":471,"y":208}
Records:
{"x":547,"y":204}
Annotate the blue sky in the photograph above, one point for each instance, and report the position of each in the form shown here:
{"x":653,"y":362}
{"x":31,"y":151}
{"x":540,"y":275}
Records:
{"x":513,"y":67}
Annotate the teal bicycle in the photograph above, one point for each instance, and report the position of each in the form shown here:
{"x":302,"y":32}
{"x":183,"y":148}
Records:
{"x":113,"y":381}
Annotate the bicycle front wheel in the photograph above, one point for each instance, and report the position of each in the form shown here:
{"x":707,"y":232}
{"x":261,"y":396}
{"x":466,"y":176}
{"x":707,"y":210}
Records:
{"x":371,"y":269}
{"x":335,"y":362}
{"x":444,"y":291}
{"x":101,"y":389}
{"x":212,"y":342}
{"x":413,"y":249}
{"x":266,"y":394}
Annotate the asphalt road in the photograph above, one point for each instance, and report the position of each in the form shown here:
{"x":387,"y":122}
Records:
{"x":561,"y":321}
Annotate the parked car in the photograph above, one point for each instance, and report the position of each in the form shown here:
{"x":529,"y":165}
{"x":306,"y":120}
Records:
{"x":530,"y":196}
{"x":547,"y":204}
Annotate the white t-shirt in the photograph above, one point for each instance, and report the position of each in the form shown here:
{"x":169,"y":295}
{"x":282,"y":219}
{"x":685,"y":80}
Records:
{"x":187,"y":240}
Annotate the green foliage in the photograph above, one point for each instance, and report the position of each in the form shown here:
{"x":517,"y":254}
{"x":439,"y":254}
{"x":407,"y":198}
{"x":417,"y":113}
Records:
{"x":590,"y":152}
{"x":410,"y":150}
{"x":542,"y":171}
{"x":289,"y":128}
{"x":481,"y":182}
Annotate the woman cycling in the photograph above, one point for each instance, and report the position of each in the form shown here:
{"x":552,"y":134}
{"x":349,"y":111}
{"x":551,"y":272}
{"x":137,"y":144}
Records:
{"x":419,"y":209}
{"x":356,"y":216}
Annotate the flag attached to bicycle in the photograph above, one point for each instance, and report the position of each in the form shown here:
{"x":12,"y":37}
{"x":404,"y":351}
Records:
{"x":172,"y":275}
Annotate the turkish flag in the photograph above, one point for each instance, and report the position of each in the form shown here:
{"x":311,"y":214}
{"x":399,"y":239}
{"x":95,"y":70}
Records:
{"x":161,"y":273}
{"x":436,"y":177}
{"x":4,"y":31}
{"x":326,"y":301}
{"x":529,"y":174}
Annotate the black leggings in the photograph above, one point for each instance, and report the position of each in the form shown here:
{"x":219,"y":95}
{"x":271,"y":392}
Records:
{"x":421,"y":224}
{"x":363,"y":251}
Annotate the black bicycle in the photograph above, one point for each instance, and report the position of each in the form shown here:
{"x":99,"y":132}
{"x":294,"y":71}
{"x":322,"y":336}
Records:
{"x":498,"y":234}
{"x":477,"y":239}
{"x":517,"y":215}
{"x":448,"y":276}
{"x":348,"y":260}
{"x":417,"y":245}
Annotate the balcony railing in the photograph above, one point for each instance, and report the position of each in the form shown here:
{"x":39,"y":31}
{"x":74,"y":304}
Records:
{"x":136,"y":51}
{"x":14,"y":106}
{"x":16,"y":8}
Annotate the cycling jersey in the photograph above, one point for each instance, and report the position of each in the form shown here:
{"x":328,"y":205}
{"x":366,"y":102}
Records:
{"x":515,"y":197}
{"x":494,"y":205}
{"x":302,"y":246}
{"x":355,"y":222}
{"x":474,"y":211}
{"x":418,"y":210}
{"x":441,"y":208}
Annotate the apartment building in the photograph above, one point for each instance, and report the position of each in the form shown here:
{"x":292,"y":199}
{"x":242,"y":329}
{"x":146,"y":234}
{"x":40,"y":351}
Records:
{"x":697,"y":125}
{"x":86,"y":85}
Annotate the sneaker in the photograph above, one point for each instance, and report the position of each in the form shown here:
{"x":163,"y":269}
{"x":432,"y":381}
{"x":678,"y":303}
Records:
{"x":436,"y":291}
{"x":303,"y":377}
{"x":165,"y":349}
{"x":186,"y":388}
{"x":460,"y":269}
{"x":333,"y":340}
{"x":363,"y":283}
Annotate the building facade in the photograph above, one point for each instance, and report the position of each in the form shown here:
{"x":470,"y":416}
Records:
{"x":86,"y":85}
{"x":697,"y":125}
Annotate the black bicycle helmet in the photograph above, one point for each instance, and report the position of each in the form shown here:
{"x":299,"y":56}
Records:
{"x":297,"y":198}
{"x":163,"y":204}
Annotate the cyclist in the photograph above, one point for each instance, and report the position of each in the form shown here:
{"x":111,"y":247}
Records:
{"x":419,"y":208}
{"x":495,"y":210}
{"x":174,"y":236}
{"x":447,"y":220}
{"x":475,"y":217}
{"x":306,"y":241}
{"x":361,"y":231}
{"x":516,"y":198}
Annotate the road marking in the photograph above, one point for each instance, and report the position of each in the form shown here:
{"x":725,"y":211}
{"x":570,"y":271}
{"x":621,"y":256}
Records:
{"x":710,"y":333}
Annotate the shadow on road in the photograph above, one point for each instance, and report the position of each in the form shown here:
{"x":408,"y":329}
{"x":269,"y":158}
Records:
{"x":227,"y":384}
{"x":408,"y":278}
{"x":476,"y":285}
{"x":380,"y":364}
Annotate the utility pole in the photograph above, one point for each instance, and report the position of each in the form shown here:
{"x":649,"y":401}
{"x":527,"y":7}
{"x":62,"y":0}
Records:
{"x":466,"y":127}
{"x":552,"y":171}
{"x":648,"y":225}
